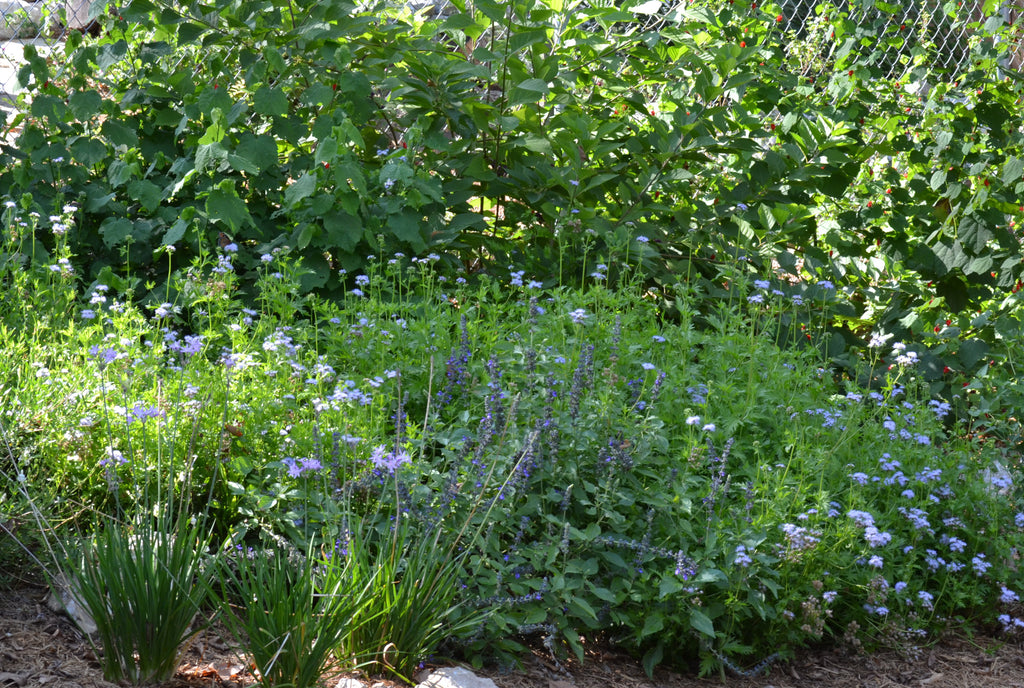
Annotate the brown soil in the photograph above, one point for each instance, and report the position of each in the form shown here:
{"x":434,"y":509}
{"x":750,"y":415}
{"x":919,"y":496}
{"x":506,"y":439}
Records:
{"x":39,"y":647}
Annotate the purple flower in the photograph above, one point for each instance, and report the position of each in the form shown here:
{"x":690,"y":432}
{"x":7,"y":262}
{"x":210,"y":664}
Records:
{"x":876,"y":538}
{"x":389,"y":461}
{"x":142,"y":413}
{"x":861,"y":518}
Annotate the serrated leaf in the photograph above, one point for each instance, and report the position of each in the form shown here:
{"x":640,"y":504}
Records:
{"x":972,"y":351}
{"x":84,"y":104}
{"x":209,"y":155}
{"x":146,"y":193}
{"x":301,"y":188}
{"x":88,"y":151}
{"x":242,"y":164}
{"x":701,"y":622}
{"x":261,"y":150}
{"x":669,"y":585}
{"x":342,"y":230}
{"x":114,"y":230}
{"x":406,"y":227}
{"x":270,"y":101}
{"x":654,"y":622}
{"x":653,"y":657}
{"x":1012,"y":169}
{"x":226,"y":207}
{"x":326,"y":151}
{"x":118,"y":134}
{"x":175,"y":232}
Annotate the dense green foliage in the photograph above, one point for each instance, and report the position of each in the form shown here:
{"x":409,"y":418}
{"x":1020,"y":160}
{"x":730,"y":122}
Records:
{"x":679,"y":346}
{"x":548,"y":136}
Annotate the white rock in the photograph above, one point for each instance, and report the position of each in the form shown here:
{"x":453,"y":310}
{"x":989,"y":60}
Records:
{"x":350,"y":683}
{"x":455,"y":677}
{"x":77,"y":13}
{"x":19,"y":19}
{"x":66,"y":598}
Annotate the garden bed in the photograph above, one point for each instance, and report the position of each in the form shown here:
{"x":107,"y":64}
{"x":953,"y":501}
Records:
{"x":39,"y":647}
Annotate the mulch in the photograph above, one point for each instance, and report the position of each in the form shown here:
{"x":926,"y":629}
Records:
{"x":39,"y":647}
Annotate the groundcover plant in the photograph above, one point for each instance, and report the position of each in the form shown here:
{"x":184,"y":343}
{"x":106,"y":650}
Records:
{"x":602,"y":473}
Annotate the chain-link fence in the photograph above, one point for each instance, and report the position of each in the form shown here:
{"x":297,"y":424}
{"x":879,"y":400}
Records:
{"x":912,"y":28}
{"x":42,"y":23}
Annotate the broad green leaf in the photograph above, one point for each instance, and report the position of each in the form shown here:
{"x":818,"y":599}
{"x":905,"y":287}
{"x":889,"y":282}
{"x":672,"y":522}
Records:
{"x":582,"y":609}
{"x":524,"y":38}
{"x":175,"y":232}
{"x":654,"y":622}
{"x":1012,"y":169}
{"x":110,"y":54}
{"x":528,"y":91}
{"x":669,"y":585}
{"x":84,"y":104}
{"x":241,"y":164}
{"x":209,"y":155}
{"x":301,"y":188}
{"x":270,"y":101}
{"x":88,"y":151}
{"x":217,"y":129}
{"x":115,"y":230}
{"x":326,"y":151}
{"x":653,"y":657}
{"x":118,"y":173}
{"x":146,"y":193}
{"x":118,"y":134}
{"x":701,"y":622}
{"x":225,"y":206}
{"x":406,"y":227}
{"x":972,"y":351}
{"x":261,"y":150}
{"x":342,"y":230}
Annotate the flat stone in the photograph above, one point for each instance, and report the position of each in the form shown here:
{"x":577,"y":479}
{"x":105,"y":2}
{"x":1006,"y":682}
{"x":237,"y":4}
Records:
{"x":455,"y":677}
{"x":349,"y":683}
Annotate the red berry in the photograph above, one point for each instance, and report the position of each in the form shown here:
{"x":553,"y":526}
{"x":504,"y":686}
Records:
{"x":778,"y":18}
{"x":743,"y":44}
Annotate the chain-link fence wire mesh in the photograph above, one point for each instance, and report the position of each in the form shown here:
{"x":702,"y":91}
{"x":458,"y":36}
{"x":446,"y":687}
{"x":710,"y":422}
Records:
{"x":42,"y":23}
{"x":930,"y":32}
